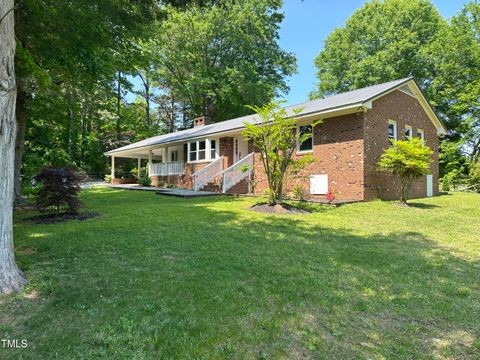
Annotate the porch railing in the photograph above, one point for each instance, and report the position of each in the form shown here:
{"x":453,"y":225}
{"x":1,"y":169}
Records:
{"x":164,"y":169}
{"x":207,"y":173}
{"x":237,"y":172}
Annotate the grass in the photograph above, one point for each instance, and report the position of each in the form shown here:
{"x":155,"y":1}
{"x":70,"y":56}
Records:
{"x":158,"y":277}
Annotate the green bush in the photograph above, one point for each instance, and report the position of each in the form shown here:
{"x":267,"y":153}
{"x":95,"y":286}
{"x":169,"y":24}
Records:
{"x":299,"y":192}
{"x":475,"y":174}
{"x":145,"y":181}
{"x":407,"y":161}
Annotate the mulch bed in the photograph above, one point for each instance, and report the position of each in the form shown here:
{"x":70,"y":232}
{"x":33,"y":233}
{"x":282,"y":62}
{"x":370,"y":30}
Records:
{"x":56,"y":218}
{"x":278,"y":209}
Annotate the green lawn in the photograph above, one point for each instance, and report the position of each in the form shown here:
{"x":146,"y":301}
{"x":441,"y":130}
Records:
{"x":161,"y":277}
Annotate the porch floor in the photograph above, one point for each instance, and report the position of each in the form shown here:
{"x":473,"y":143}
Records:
{"x":185,"y":193}
{"x":164,"y":191}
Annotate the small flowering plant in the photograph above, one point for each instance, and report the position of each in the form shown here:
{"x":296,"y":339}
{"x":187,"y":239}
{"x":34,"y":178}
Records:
{"x":329,"y":196}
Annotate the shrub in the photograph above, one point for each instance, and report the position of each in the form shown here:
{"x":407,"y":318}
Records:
{"x":107,"y":178}
{"x":58,"y":187}
{"x":299,"y":192}
{"x":475,"y":175}
{"x":145,"y":181}
{"x":329,"y":196}
{"x":407,"y":161}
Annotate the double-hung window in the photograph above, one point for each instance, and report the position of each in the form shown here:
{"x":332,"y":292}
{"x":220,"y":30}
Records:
{"x":306,"y":132}
{"x":213,"y":149}
{"x":408,"y":131}
{"x":392,"y":130}
{"x":174,"y":155}
{"x":420,"y":134}
{"x":202,"y":150}
{"x":192,"y":151}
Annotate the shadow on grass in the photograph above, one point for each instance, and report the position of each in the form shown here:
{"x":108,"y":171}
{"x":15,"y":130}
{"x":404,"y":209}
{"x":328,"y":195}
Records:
{"x":422,"y":205}
{"x":206,"y":278}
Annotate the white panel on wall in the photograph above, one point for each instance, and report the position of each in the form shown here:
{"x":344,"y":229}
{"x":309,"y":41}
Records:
{"x":429,"y":185}
{"x":318,"y":184}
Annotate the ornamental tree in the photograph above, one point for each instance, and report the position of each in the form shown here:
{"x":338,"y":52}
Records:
{"x":276,"y":138}
{"x":407,"y":161}
{"x":59,"y":187}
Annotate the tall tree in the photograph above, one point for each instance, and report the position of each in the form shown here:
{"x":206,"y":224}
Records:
{"x":10,"y":277}
{"x":55,"y":47}
{"x":455,"y":55}
{"x":381,"y":41}
{"x":222,"y":57}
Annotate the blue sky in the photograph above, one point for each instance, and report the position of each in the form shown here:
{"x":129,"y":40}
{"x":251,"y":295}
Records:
{"x":306,"y":25}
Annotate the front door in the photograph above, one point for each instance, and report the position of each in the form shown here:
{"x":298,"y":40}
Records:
{"x":240,"y":148}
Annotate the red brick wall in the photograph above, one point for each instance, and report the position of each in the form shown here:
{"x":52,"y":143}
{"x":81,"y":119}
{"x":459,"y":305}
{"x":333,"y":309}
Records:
{"x":337,"y":152}
{"x":161,"y":180}
{"x":405,"y":110}
{"x":347,"y":149}
{"x":226,"y":150}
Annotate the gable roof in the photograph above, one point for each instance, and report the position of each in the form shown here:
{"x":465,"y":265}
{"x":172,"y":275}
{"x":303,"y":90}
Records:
{"x":354,"y":100}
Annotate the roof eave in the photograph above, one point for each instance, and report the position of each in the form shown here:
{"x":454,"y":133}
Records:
{"x":332,"y":112}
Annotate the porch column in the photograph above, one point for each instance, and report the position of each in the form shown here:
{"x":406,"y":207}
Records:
{"x":139,"y":164}
{"x":165,"y":155}
{"x":112,"y":173}
{"x":149,"y":161}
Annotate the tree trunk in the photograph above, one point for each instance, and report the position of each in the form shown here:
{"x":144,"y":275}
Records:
{"x":147,"y":99}
{"x":119,"y":102}
{"x":171,"y":122}
{"x":10,"y":278}
{"x":21,"y":109}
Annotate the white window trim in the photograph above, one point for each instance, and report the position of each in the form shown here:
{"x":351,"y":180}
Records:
{"x":313,"y":140}
{"x":408,"y":127}
{"x":421,"y":131}
{"x":217,"y":146}
{"x":208,"y":157}
{"x":173,"y":151}
{"x":395,"y":132}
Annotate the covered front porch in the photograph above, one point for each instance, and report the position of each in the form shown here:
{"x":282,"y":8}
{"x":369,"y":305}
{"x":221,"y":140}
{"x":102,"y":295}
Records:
{"x":154,"y":162}
{"x":210,"y":164}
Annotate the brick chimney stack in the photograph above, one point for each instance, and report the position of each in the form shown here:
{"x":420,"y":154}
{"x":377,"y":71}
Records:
{"x":200,"y":121}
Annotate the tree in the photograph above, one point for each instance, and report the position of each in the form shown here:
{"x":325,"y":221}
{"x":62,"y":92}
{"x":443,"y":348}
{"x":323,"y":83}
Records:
{"x":382,"y":41}
{"x":474,"y":180}
{"x":10,"y":278}
{"x":76,"y":49}
{"x":276,"y":138}
{"x":407,"y":161}
{"x":219,"y":58}
{"x":59,"y":186}
{"x":455,"y":85}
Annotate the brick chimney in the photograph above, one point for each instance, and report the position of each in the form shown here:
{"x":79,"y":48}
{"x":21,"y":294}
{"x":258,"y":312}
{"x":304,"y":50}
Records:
{"x":200,"y":121}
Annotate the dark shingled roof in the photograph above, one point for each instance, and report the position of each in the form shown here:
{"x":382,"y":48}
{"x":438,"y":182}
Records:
{"x":348,"y":98}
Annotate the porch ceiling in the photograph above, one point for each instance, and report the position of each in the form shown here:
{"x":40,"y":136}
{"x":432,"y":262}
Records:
{"x":143,"y":152}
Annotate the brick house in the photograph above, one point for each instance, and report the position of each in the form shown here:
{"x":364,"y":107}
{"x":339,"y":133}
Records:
{"x":355,"y":129}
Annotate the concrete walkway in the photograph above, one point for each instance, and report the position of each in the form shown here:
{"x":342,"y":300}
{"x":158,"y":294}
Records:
{"x":163,"y":191}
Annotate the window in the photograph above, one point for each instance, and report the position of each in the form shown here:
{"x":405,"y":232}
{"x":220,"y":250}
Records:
{"x":392,"y":130}
{"x":202,"y":147}
{"x":192,"y":151}
{"x":202,"y":150}
{"x":213,"y":149}
{"x":307,"y":144}
{"x":408,"y":131}
{"x":421,"y":134}
{"x":174,"y":155}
